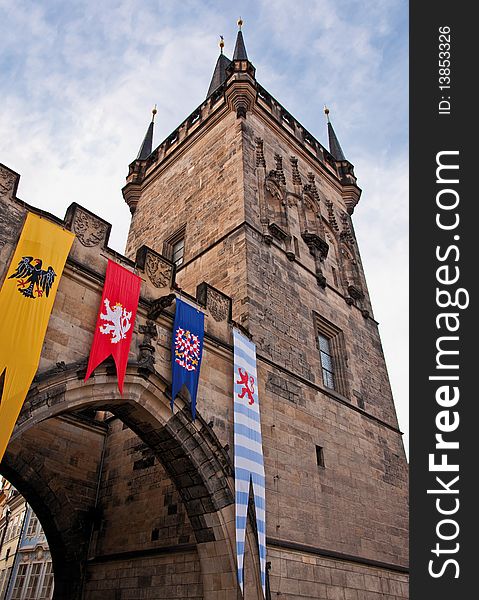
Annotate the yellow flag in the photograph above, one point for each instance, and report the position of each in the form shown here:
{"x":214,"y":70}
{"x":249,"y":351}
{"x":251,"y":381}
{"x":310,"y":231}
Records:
{"x":26,"y":302}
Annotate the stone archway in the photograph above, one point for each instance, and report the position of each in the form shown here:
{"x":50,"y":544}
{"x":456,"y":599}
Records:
{"x":61,"y":501}
{"x":190,"y":453}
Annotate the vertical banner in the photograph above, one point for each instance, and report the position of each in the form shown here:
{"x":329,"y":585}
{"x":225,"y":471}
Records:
{"x":115,"y":321}
{"x":248,"y":451}
{"x":26,"y":302}
{"x":186,"y":351}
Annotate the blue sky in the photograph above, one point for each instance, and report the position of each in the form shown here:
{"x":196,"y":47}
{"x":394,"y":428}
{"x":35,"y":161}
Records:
{"x":78,"y":81}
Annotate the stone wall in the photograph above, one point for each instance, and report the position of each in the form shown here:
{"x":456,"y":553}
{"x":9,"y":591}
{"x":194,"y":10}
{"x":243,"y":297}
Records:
{"x":296,"y":576}
{"x":174,"y":576}
{"x":136,"y":490}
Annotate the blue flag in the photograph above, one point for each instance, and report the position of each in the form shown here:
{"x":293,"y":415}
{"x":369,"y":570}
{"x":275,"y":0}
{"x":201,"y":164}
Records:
{"x":186,"y":351}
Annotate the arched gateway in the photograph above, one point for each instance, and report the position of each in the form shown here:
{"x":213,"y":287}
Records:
{"x":55,"y":434}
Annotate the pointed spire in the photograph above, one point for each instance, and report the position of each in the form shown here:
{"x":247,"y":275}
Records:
{"x":240,"y":48}
{"x":334,"y":145}
{"x":219,"y":74}
{"x":147,"y":145}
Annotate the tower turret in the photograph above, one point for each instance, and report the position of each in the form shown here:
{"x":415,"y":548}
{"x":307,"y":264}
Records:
{"x":334,"y":145}
{"x":350,"y":190}
{"x":219,"y":74}
{"x":147,"y":144}
{"x":132,"y":190}
{"x":241,"y":88}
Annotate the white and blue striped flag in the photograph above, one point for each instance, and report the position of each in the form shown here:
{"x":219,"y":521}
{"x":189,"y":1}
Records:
{"x":248,"y":447}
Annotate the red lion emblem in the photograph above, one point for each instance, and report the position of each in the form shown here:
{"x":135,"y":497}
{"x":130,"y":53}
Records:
{"x":247,"y":383}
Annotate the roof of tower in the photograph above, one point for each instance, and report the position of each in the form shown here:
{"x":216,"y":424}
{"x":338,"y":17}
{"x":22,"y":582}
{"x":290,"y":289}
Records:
{"x":219,"y":74}
{"x":147,"y":144}
{"x":334,"y":145}
{"x":240,"y":48}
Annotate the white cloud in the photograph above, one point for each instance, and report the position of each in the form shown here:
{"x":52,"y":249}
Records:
{"x":381,"y":221}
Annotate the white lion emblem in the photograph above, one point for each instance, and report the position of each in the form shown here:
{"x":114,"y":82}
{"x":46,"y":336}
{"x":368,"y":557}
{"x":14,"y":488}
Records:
{"x":120,"y":321}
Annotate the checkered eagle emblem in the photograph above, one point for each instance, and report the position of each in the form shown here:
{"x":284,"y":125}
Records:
{"x":187,"y":349}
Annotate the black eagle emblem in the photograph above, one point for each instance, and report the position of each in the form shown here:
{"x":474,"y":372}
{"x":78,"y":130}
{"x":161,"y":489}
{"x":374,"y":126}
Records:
{"x":32,"y":278}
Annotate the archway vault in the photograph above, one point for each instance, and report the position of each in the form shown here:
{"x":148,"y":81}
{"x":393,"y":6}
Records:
{"x":189,"y":452}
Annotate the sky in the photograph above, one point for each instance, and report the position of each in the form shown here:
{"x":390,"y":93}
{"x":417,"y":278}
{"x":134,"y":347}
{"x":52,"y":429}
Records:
{"x":78,"y":81}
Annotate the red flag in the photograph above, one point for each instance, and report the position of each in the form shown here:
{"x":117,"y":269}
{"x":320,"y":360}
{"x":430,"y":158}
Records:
{"x":116,"y":318}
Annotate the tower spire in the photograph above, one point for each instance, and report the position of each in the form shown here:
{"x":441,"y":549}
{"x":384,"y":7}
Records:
{"x":334,"y":145}
{"x":147,"y":144}
{"x":240,"y":48}
{"x":219,"y":74}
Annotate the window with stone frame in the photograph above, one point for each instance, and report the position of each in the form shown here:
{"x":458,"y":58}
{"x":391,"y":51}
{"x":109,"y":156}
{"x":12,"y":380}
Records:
{"x":332,"y":355}
{"x":47,"y":587}
{"x":33,"y":526}
{"x":20,"y":580}
{"x":327,"y":364}
{"x":174,"y":247}
{"x":2,"y":578}
{"x":31,"y":592}
{"x":12,"y":528}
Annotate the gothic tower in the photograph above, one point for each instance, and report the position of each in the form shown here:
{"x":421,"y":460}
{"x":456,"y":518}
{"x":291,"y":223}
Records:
{"x":243,"y":213}
{"x":248,"y":204}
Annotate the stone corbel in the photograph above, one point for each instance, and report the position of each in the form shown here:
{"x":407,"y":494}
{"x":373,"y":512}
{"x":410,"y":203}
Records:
{"x":320,"y":278}
{"x":355,"y":293}
{"x":240,"y":97}
{"x":131,"y":194}
{"x":159,"y":305}
{"x":316,"y":245}
{"x":278,"y":232}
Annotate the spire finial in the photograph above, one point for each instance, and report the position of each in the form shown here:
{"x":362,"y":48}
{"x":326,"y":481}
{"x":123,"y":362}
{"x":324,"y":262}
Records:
{"x":221,"y":44}
{"x":240,"y":50}
{"x":147,"y":144}
{"x":334,"y":145}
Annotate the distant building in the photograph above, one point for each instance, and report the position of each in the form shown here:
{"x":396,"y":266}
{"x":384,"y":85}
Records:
{"x":25,"y":561}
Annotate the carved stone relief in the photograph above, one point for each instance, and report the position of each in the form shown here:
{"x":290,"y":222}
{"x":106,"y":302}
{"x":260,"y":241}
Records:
{"x":260,"y":160}
{"x":331,"y":216}
{"x":346,"y":234}
{"x":7,"y":182}
{"x":296,"y":175}
{"x":89,"y":230}
{"x":278,"y":174}
{"x":146,"y":358}
{"x":218,"y":305}
{"x":159,"y":271}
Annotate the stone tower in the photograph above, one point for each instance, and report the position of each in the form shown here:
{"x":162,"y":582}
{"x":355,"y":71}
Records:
{"x":243,"y":212}
{"x":242,"y":197}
